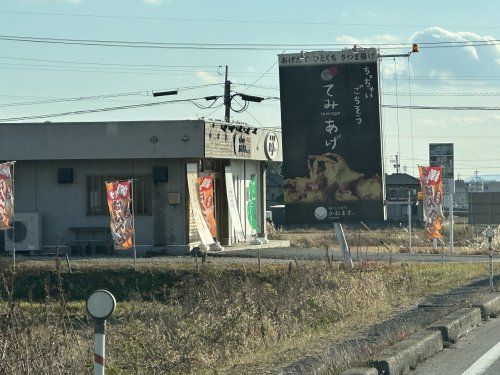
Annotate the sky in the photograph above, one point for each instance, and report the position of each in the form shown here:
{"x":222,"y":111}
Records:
{"x":52,"y":78}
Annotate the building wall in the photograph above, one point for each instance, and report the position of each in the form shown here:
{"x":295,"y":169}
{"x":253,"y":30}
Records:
{"x":239,"y":145}
{"x":398,"y":213}
{"x":492,"y":186}
{"x":102,"y":140}
{"x":65,"y":205}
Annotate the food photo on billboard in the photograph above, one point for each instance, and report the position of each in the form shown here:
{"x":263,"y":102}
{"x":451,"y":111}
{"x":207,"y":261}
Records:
{"x":332,"y":151}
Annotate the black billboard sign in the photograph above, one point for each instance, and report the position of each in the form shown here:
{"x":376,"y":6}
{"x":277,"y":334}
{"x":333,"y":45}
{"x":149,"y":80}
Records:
{"x":442,"y":154}
{"x":332,"y":151}
{"x":484,"y":208}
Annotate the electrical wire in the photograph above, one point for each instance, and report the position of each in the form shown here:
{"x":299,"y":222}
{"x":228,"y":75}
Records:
{"x":442,"y":108}
{"x":266,"y":72}
{"x":451,"y":94}
{"x":104,"y":96}
{"x":96,"y":110}
{"x":106,"y":64}
{"x":233,"y":20}
{"x":233,"y":46}
{"x":209,"y":106}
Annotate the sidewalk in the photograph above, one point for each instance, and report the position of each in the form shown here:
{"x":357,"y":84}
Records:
{"x":244,"y":246}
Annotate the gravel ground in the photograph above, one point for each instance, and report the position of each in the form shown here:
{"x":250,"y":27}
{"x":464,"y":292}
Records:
{"x":150,"y":260}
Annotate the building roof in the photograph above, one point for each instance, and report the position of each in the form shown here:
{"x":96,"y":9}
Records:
{"x":401,"y":179}
{"x":136,"y":140}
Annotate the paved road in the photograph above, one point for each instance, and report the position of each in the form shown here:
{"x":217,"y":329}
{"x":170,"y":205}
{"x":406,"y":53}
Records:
{"x":475,"y":354}
{"x":318,"y":254}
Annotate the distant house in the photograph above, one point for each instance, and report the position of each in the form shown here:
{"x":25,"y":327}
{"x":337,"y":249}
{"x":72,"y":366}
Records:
{"x":274,"y":189}
{"x":492,"y":186}
{"x":401,"y":187}
{"x":460,"y":195}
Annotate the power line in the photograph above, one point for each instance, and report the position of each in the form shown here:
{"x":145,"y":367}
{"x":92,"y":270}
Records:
{"x":107,"y":109}
{"x":412,"y":94}
{"x":103,"y":96}
{"x":442,"y":108}
{"x":106,"y":68}
{"x":232,"y":46}
{"x":232,"y":20}
{"x":106,"y":64}
{"x":89,"y":70}
{"x":432,"y":136}
{"x":96,"y":110}
{"x":260,"y":77}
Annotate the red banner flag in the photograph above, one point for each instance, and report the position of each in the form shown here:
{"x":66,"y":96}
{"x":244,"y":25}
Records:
{"x":6,"y":196}
{"x":431,"y":179}
{"x":206,"y":189}
{"x":122,"y":227}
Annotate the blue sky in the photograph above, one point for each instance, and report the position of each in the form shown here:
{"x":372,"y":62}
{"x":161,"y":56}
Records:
{"x":466,"y":76}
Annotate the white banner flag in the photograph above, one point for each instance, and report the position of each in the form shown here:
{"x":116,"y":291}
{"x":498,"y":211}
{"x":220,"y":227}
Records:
{"x":233,"y":207}
{"x":194,"y":196}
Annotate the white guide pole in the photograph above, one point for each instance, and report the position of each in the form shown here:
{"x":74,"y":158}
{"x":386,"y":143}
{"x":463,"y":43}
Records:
{"x":99,"y":346}
{"x":452,"y":247}
{"x":346,"y":254}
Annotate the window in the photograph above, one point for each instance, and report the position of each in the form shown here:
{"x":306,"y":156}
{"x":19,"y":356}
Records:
{"x":96,"y":194}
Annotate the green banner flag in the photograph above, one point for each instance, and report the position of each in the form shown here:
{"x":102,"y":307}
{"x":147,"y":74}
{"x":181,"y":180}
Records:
{"x":252,"y":203}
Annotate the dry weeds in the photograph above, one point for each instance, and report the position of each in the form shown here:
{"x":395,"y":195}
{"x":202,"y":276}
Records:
{"x":467,"y":239}
{"x":208,"y":321}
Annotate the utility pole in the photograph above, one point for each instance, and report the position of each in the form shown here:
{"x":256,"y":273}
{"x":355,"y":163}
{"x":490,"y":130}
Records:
{"x":397,"y":164}
{"x":227,"y":98}
{"x":409,"y":219}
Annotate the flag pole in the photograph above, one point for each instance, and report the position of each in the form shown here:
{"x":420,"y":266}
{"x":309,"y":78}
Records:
{"x":133,"y":219}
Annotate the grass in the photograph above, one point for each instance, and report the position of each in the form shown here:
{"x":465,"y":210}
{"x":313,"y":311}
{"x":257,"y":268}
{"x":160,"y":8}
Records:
{"x":467,"y":239}
{"x":225,"y":318}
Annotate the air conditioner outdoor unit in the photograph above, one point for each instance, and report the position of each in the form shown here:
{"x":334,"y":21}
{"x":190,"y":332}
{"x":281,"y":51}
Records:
{"x":26,"y":234}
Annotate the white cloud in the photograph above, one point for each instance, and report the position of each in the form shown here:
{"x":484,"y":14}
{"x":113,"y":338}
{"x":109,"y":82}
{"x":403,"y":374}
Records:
{"x":206,"y":77}
{"x":468,"y":60}
{"x":376,"y":39}
{"x":153,"y":2}
{"x":439,"y":63}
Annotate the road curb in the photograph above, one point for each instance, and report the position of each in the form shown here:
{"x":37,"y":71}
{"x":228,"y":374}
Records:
{"x":406,"y":354}
{"x":362,"y":351}
{"x":489,"y":306}
{"x":457,"y":324}
{"x":361,"y":371}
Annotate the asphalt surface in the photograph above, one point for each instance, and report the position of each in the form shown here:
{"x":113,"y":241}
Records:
{"x":473,"y":354}
{"x":320,"y":254}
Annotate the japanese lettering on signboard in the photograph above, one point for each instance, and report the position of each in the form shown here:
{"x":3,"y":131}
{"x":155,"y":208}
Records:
{"x":332,"y":153}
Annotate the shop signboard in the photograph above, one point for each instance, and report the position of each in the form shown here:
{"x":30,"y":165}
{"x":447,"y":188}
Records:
{"x":332,"y":150}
